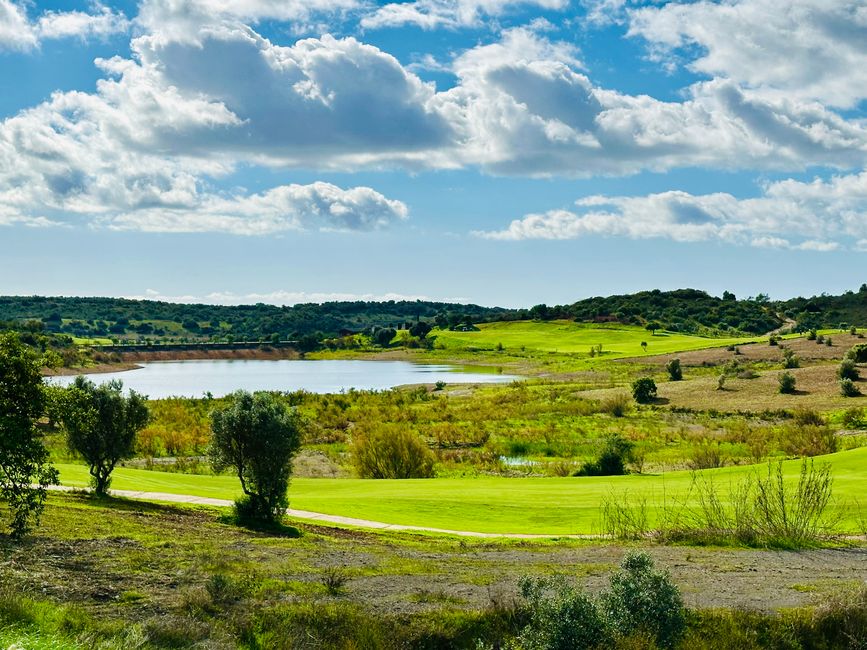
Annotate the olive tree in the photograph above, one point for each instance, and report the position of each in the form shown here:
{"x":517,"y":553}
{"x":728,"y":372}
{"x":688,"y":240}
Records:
{"x":101,"y":424}
{"x":25,"y":472}
{"x":256,"y":436}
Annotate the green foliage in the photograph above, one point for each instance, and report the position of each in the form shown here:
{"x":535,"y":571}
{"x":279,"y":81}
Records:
{"x":848,"y":388}
{"x":858,"y":353}
{"x":787,"y":383}
{"x":613,"y":458}
{"x":643,"y":600}
{"x":789,"y":360}
{"x":811,"y":335}
{"x":384,"y":336}
{"x":256,"y":436}
{"x":848,"y":370}
{"x":675,"y":372}
{"x":640,"y":603}
{"x":391,"y":452}
{"x":25,"y":471}
{"x":101,"y":424}
{"x":644,"y":390}
{"x":562,"y":617}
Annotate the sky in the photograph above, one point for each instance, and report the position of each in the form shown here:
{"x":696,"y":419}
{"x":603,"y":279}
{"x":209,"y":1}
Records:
{"x":500,"y":152}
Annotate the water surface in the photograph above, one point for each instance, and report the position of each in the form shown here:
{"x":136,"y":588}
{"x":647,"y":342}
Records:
{"x":159,"y":379}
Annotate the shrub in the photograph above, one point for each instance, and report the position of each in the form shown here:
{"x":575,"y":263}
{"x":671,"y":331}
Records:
{"x":848,"y":388}
{"x":773,"y":340}
{"x":790,"y":360}
{"x":804,"y":417}
{"x":675,"y":372}
{"x":829,"y":342}
{"x":855,"y":418}
{"x":392,"y":452}
{"x":616,"y":453}
{"x":808,"y":440}
{"x":787,"y":383}
{"x":848,"y":370}
{"x":820,"y":339}
{"x":644,"y":390}
{"x":617,"y":405}
{"x":562,"y":617}
{"x":645,"y":601}
{"x":858,"y":353}
{"x":811,"y":335}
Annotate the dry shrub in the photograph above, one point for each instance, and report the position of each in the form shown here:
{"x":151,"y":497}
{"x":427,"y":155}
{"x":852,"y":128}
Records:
{"x":391,"y":452}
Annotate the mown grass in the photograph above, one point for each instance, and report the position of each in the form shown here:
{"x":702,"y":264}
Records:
{"x":549,"y":506}
{"x":569,"y":337}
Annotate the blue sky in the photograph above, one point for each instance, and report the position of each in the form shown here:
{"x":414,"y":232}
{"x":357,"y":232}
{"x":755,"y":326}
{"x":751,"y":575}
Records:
{"x":503,"y":152}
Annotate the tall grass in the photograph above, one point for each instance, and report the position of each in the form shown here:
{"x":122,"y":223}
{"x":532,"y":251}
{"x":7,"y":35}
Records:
{"x":763,"y":509}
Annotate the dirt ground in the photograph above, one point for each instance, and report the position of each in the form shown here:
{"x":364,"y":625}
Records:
{"x":808,"y":351}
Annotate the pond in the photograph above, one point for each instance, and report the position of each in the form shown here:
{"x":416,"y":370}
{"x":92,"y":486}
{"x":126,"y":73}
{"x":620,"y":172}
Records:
{"x":160,"y":379}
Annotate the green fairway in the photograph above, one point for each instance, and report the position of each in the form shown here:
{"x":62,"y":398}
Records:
{"x":496,"y":505}
{"x":569,"y":337}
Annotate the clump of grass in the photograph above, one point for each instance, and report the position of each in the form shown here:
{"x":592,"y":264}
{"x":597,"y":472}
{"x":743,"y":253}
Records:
{"x":334,"y":579}
{"x":617,"y":405}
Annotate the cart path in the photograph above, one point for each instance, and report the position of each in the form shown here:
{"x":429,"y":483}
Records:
{"x":319,"y":517}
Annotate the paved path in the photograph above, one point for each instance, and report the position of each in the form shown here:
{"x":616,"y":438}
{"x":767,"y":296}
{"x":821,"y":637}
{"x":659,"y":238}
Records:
{"x":320,"y":517}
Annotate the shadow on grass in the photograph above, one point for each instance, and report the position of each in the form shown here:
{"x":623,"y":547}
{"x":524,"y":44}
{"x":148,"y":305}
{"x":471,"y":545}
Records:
{"x":273,"y":529}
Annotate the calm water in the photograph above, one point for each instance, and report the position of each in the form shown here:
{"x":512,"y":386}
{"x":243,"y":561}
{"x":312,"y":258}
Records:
{"x":195,"y":378}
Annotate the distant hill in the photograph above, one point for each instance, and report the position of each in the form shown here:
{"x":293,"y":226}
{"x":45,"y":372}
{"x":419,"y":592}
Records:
{"x":683,"y":310}
{"x":117,"y":317}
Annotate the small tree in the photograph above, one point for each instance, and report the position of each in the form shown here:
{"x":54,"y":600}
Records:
{"x":848,"y":370}
{"x":848,"y":388}
{"x":652,"y":326}
{"x":787,"y":383}
{"x":257,"y":436}
{"x":384,"y":336}
{"x":790,"y":360}
{"x":101,"y":424}
{"x":25,"y":472}
{"x":675,"y":372}
{"x":644,"y":390}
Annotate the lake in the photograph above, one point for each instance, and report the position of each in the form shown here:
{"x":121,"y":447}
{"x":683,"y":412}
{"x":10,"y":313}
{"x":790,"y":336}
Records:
{"x":160,"y":379}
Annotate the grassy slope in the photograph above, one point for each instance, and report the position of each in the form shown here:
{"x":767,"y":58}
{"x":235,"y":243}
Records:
{"x":500,"y":505}
{"x":569,"y":337}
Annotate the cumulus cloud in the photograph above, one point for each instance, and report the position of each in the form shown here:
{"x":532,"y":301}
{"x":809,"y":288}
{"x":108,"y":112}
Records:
{"x":803,"y":49}
{"x":452,"y":14}
{"x":19,"y":32}
{"x":318,"y":206}
{"x":822,"y":215}
{"x":526,"y":107}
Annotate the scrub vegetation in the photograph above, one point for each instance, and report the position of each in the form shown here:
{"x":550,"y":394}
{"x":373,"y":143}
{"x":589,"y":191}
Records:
{"x":646,"y":431}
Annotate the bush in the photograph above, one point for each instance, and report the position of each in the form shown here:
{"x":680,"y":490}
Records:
{"x":848,"y":370}
{"x":562,"y":617}
{"x":790,"y":360}
{"x":640,"y":604}
{"x":848,"y":388}
{"x":645,"y":601}
{"x":855,"y":418}
{"x":787,"y":383}
{"x":675,"y":372}
{"x":772,"y":340}
{"x":392,"y":452}
{"x":616,"y":453}
{"x":617,"y":405}
{"x":811,"y":335}
{"x":858,"y":353}
{"x":644,"y":390}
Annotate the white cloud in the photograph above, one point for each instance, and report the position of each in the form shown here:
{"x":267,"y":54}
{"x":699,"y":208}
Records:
{"x":819,"y":216}
{"x":799,"y":49}
{"x":281,"y":297}
{"x":451,"y":14}
{"x":18,"y":32}
{"x":319,"y":206}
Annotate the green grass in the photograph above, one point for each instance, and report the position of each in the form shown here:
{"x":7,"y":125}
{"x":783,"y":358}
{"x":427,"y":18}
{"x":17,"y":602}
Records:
{"x":617,"y":340}
{"x":551,"y":506}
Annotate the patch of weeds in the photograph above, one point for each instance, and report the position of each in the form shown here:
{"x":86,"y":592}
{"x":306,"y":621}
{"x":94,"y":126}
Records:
{"x":334,"y":579}
{"x":438,"y":596}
